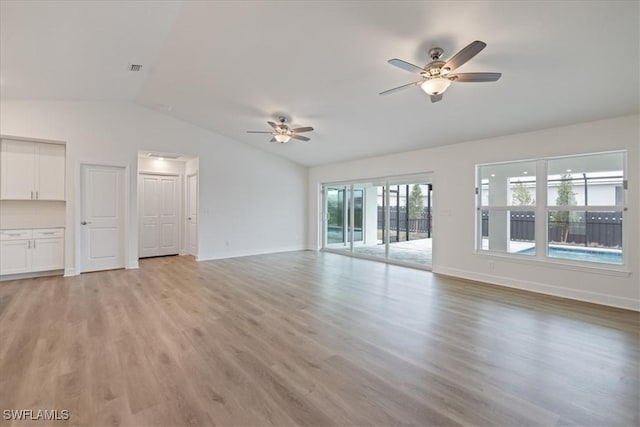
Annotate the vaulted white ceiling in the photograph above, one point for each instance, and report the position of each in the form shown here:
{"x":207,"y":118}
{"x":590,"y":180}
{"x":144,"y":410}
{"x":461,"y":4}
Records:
{"x":231,"y":66}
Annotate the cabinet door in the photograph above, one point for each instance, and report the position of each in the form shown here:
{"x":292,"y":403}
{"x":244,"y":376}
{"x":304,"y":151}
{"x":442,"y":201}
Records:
{"x":47,"y":254}
{"x":15,"y":256}
{"x":18,"y":170}
{"x":50,"y":171}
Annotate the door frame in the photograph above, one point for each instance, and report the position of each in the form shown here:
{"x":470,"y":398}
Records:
{"x":128,"y":263}
{"x":181,"y":208}
{"x":387,"y":182}
{"x":186,"y":213}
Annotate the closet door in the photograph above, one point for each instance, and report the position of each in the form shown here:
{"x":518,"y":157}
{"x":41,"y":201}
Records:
{"x":159,"y":214}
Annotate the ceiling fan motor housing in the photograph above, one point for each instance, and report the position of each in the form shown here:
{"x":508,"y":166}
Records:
{"x":432,"y":69}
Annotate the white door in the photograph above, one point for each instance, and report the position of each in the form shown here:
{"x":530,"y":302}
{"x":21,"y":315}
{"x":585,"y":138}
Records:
{"x":159,"y":209}
{"x":192,"y":215}
{"x":102,"y":194}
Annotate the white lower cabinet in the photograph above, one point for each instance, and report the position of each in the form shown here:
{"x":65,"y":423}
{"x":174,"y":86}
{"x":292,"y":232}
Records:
{"x":47,"y":254}
{"x":31,"y":250}
{"x":15,"y":257}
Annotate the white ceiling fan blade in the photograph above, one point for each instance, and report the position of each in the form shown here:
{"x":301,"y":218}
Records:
{"x":407,"y":66}
{"x":302,"y":129}
{"x":474,"y":77}
{"x":396,"y":89}
{"x":464,"y":55}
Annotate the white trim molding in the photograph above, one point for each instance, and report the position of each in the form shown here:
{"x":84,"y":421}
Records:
{"x":542,"y":288}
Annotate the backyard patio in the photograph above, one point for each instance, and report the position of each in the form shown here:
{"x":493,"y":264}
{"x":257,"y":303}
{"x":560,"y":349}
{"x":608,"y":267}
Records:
{"x":414,"y":251}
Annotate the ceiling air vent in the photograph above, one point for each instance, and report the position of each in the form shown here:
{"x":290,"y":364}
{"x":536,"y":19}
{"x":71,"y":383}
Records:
{"x":135,"y":67}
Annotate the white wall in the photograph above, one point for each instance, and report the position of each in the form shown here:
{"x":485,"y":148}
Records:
{"x":250,"y":201}
{"x":37,"y":213}
{"x":191,"y":167}
{"x":454,"y":221}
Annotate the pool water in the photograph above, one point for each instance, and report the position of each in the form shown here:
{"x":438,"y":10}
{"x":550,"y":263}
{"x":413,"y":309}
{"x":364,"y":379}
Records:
{"x":577,"y":254}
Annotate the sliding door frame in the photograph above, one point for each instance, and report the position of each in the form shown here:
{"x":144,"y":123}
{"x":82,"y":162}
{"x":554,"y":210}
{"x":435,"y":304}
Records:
{"x":350,"y":185}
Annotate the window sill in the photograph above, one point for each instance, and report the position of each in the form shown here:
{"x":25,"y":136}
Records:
{"x":618,"y":271}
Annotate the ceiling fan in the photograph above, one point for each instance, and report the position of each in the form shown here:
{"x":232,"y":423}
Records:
{"x":283,"y":133}
{"x":436,"y":76}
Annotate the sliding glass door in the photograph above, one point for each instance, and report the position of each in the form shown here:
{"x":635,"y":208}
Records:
{"x":336,"y":217}
{"x":389,"y":219}
{"x":410,"y":221}
{"x":370,"y":218}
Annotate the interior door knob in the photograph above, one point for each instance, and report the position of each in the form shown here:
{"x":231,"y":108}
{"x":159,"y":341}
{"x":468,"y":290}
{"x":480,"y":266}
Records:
{"x":85,"y":223}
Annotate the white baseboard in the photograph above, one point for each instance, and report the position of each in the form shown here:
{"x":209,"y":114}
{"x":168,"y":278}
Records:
{"x":71,"y":271}
{"x":30,"y":275}
{"x":543,"y":288}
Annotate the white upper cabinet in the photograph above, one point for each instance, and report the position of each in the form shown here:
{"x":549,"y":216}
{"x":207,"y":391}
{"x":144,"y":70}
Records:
{"x":50,"y":171}
{"x":18,"y":170}
{"x":32,"y":171}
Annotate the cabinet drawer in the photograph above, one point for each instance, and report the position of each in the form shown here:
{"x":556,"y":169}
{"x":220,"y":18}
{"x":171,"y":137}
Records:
{"x":46,"y":233}
{"x":15,"y":234}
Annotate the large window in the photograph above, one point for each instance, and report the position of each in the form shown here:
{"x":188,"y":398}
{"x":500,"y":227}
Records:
{"x":507,"y":207}
{"x":578,"y":201}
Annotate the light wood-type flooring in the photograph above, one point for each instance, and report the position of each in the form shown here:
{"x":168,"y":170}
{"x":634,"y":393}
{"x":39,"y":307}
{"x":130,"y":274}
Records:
{"x":307,"y":338}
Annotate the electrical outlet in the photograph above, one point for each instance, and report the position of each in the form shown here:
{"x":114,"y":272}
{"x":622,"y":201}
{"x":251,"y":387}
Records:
{"x":492,"y":265}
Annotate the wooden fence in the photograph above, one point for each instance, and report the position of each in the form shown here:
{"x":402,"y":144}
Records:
{"x":603,"y":229}
{"x":399,"y":222}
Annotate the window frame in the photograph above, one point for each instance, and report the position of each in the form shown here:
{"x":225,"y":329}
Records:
{"x":542,"y":210}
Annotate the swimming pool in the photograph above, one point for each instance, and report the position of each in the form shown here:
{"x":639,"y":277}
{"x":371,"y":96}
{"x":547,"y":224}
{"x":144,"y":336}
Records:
{"x":578,"y":254}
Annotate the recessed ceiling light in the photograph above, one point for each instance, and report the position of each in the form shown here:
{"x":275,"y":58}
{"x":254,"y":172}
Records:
{"x":163,"y":156}
{"x":493,"y":174}
{"x":568,"y":170}
{"x":525,"y":172}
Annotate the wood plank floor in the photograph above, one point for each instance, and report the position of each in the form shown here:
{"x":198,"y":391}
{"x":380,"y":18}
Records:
{"x":306,"y":338}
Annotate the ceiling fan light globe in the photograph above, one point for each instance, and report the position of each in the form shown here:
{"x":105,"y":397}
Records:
{"x":282,"y":137}
{"x":435,"y":86}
